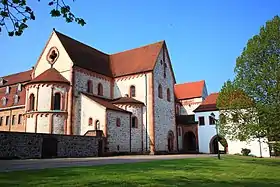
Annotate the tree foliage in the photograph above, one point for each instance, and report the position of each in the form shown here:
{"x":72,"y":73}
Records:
{"x":254,"y":95}
{"x":15,"y":14}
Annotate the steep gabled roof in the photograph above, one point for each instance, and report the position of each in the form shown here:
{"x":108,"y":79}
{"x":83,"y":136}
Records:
{"x":105,"y":102}
{"x":50,"y":75}
{"x":85,"y":56}
{"x":189,"y":90}
{"x":126,"y":100}
{"x":209,"y":104}
{"x":136,"y":60}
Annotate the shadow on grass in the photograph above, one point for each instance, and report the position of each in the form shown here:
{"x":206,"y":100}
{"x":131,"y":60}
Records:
{"x":230,"y":171}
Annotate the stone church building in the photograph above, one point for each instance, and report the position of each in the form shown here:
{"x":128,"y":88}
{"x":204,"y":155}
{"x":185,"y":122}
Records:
{"x":131,"y":97}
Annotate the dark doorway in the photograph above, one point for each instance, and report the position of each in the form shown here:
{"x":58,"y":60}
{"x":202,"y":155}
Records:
{"x":214,"y":145}
{"x":100,"y":147}
{"x":189,"y":142}
{"x":49,"y":147}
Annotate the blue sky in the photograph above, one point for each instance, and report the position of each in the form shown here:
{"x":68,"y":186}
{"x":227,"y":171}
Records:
{"x":204,"y":38}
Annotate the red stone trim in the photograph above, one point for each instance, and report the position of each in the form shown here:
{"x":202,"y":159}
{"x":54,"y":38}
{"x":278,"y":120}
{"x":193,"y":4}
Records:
{"x":91,"y":73}
{"x":57,"y":84}
{"x":37,"y":98}
{"x":36,"y":122}
{"x":142,"y":129}
{"x":51,"y":123}
{"x":128,"y":77}
{"x":151,"y":115}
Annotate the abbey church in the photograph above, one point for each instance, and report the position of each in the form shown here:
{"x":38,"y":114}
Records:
{"x":131,"y":97}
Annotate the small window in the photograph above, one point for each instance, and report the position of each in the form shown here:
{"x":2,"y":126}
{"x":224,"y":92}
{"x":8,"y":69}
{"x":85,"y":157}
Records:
{"x":7,"y":90}
{"x":7,"y":120}
{"x":31,"y":102}
{"x":16,"y":99}
{"x":57,"y":101}
{"x":89,"y":86}
{"x":161,"y":62}
{"x":97,"y":125}
{"x":134,"y":122}
{"x":201,"y":121}
{"x":164,"y":71}
{"x":90,"y":122}
{"x":1,"y":81}
{"x":19,"y":118}
{"x":19,"y":88}
{"x":159,"y":91}
{"x":168,"y":94}
{"x":13,"y":119}
{"x":132,"y":91}
{"x":4,"y":101}
{"x":211,"y":120}
{"x":1,"y":121}
{"x":118,"y":122}
{"x":100,"y":89}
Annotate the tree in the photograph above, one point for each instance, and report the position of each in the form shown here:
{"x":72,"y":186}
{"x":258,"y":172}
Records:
{"x":14,"y":15}
{"x":256,"y":87}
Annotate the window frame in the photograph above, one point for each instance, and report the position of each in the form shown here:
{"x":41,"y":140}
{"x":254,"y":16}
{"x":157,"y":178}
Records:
{"x":89,"y":86}
{"x":132,"y":91}
{"x":135,"y":125}
{"x":160,"y":91}
{"x":199,"y":121}
{"x":100,"y":89}
{"x":118,"y":122}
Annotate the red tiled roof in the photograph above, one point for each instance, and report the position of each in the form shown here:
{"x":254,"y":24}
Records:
{"x":136,"y":60}
{"x":105,"y":102}
{"x":85,"y":56}
{"x":126,"y":100}
{"x":132,"y":61}
{"x":17,"y":78}
{"x":50,"y":75}
{"x":209,"y":104}
{"x":12,"y":81}
{"x":189,"y":90}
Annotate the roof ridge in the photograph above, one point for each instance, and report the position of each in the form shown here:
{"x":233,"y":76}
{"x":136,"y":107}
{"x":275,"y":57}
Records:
{"x":16,"y":73}
{"x":87,"y":45}
{"x":190,"y":82}
{"x":146,"y":45}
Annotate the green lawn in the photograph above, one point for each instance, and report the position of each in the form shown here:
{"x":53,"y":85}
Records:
{"x":230,"y":171}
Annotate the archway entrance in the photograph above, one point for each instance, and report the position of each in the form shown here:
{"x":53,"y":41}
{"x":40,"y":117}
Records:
{"x":189,"y":143}
{"x":170,"y":141}
{"x":214,"y":145}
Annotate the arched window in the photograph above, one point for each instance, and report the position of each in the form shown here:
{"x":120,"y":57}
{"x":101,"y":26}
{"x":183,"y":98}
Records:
{"x":97,"y":125}
{"x":168,"y":94}
{"x":118,"y":122}
{"x":100,"y":89}
{"x":132,"y":91}
{"x":134,"y":122}
{"x":89,"y":86}
{"x":159,"y":91}
{"x":89,"y":121}
{"x":164,"y":71}
{"x":57,"y":101}
{"x":31,"y":102}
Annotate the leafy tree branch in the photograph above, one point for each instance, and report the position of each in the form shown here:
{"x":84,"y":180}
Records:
{"x":15,"y":14}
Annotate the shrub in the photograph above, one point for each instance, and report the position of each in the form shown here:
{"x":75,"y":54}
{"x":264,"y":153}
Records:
{"x":245,"y":151}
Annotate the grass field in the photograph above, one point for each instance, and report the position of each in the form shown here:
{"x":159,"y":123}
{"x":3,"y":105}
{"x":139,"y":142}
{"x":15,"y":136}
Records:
{"x":230,"y":171}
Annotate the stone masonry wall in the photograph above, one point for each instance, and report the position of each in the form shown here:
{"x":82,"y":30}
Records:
{"x":118,"y":136}
{"x":29,"y":145}
{"x":136,"y":133}
{"x":164,"y":110}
